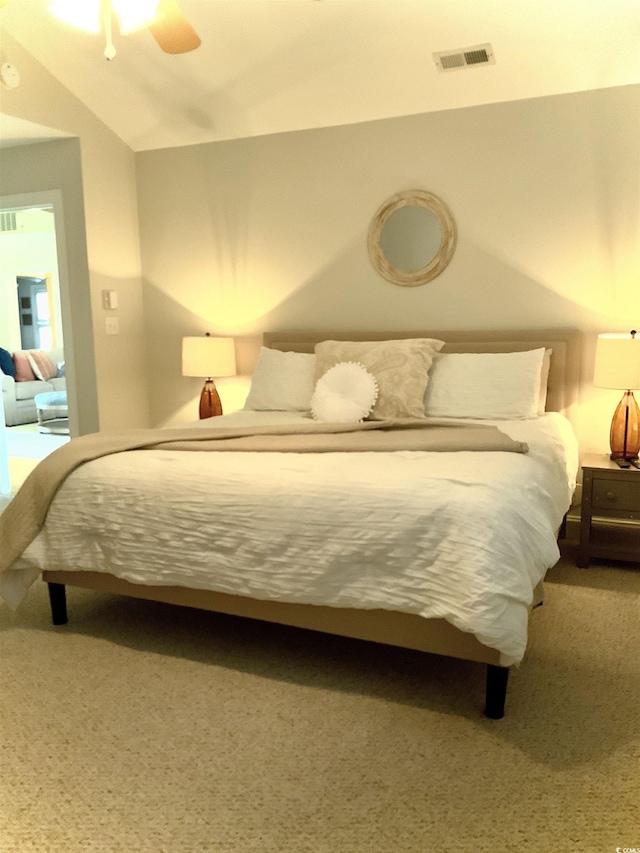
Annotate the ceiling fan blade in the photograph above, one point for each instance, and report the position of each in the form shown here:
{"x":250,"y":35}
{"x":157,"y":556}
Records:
{"x":172,"y":30}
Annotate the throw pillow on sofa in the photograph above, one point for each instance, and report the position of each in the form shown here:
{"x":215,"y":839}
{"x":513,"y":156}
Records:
{"x":24,"y":371}
{"x":6,"y":363}
{"x":42,"y":365}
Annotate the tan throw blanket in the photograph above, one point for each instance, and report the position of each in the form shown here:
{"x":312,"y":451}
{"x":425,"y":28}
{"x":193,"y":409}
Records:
{"x":22,"y":519}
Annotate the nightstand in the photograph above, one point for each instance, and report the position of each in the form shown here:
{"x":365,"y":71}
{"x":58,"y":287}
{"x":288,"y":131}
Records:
{"x":610,"y":515}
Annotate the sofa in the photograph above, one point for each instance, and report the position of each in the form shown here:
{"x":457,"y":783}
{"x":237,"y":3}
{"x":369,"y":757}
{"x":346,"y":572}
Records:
{"x":18,"y":397}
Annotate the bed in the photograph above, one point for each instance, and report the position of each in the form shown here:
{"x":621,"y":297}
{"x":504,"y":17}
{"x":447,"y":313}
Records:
{"x":476,"y":495}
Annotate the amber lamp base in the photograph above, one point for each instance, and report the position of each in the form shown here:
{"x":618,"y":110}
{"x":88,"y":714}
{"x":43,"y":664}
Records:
{"x":624,"y":437}
{"x":210,"y":404}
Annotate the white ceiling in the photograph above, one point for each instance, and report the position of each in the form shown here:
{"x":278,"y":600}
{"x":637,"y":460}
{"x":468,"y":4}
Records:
{"x":267,"y":66}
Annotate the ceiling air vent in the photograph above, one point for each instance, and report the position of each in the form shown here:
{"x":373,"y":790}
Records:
{"x":452,"y":60}
{"x":8,"y":221}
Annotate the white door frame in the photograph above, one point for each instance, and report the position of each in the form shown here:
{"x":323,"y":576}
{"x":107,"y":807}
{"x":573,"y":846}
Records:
{"x":53,"y":199}
{"x":5,"y":477}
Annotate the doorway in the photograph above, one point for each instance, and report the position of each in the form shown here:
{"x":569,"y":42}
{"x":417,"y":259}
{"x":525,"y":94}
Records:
{"x":50,"y":173}
{"x":30,"y":317}
{"x":30,"y":309}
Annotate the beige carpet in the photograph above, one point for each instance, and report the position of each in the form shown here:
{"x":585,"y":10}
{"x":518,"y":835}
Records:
{"x":143,"y":728}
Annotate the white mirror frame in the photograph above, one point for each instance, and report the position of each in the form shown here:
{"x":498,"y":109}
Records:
{"x":413,"y":278}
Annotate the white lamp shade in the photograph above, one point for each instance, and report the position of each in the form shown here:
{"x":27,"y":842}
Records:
{"x":208,"y":356}
{"x":617,"y":362}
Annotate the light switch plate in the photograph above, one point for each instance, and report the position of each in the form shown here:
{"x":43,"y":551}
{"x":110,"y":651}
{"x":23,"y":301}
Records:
{"x":109,"y":300}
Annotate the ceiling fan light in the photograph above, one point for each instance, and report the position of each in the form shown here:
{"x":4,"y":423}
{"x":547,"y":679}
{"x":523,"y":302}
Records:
{"x":135,"y":14}
{"x":84,"y":14}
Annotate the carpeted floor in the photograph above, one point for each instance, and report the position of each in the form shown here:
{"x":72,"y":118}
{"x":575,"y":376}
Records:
{"x":27,"y":442}
{"x":26,"y":446}
{"x":144,"y":728}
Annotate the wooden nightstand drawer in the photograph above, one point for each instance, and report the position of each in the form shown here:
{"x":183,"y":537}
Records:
{"x":610,"y":511}
{"x":614,"y":494}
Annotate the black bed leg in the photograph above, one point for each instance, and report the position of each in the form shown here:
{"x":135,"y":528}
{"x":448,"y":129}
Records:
{"x":58,"y":601}
{"x":497,"y":677}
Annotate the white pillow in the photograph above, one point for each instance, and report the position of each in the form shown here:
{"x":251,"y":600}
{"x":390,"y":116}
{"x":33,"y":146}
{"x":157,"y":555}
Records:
{"x":346,"y":393}
{"x":544,"y":381}
{"x":282,"y":381}
{"x":486,"y":385}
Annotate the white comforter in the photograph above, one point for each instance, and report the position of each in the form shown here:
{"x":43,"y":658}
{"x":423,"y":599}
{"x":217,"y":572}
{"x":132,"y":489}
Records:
{"x":463,"y":536}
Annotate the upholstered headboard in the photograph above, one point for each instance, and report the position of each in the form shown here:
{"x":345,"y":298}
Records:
{"x":566,"y":345}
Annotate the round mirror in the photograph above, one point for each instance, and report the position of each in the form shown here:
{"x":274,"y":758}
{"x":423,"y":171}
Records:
{"x":412,"y":238}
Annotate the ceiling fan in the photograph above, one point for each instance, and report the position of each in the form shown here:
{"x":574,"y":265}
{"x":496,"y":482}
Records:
{"x":164,"y":19}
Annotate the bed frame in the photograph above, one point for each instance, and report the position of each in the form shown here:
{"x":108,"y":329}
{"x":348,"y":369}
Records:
{"x":435,"y":636}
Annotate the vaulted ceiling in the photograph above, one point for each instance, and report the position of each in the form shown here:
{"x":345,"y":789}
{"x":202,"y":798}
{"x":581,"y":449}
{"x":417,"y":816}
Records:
{"x":268,"y":66}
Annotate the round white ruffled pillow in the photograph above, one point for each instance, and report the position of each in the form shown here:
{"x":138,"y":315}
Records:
{"x":346,"y":393}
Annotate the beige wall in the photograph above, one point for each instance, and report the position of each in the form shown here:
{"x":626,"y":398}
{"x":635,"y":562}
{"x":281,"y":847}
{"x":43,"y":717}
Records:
{"x":101,"y":204}
{"x":270,"y":233}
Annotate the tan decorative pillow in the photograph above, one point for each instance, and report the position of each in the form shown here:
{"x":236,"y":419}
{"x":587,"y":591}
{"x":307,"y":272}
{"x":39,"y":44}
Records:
{"x":401,"y":369}
{"x":41,"y":364}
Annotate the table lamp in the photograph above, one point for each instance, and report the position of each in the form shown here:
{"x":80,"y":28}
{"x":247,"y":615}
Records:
{"x":206,"y":356}
{"x":618,"y":366}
